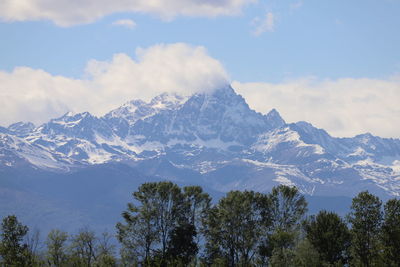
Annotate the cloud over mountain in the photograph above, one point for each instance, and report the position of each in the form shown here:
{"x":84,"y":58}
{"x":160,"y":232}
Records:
{"x":35,"y":95}
{"x":344,"y":107}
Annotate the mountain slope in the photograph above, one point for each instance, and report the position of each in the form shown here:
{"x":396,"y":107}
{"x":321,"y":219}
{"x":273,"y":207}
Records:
{"x":213,"y":139}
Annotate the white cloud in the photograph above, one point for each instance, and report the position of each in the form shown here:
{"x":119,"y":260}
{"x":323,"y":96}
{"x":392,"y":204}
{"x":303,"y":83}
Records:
{"x":71,"y":12}
{"x":343,"y":107}
{"x":265,"y":24}
{"x":34,"y":95}
{"x":127,"y":23}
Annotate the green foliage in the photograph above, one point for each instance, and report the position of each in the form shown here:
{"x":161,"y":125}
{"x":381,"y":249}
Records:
{"x":106,"y":260}
{"x":170,"y":211}
{"x":105,"y":251}
{"x":212,"y":234}
{"x":236,"y":227}
{"x":288,"y":207}
{"x":164,"y":227}
{"x":139,"y":235}
{"x":83,"y":247}
{"x":305,"y":255}
{"x":329,"y":234}
{"x":287,"y":210}
{"x":365,"y":219}
{"x":31,"y":255}
{"x":282,"y":257}
{"x":391,"y":233}
{"x":181,"y":245}
{"x":198,"y":205}
{"x":12,"y":251}
{"x":56,"y":247}
{"x":150,"y":225}
{"x":281,"y":239}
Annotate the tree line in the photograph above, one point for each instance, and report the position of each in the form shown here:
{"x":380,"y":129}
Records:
{"x":167,"y":225}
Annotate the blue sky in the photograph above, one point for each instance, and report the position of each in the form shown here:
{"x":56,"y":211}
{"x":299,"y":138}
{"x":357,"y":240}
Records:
{"x":263,"y":46}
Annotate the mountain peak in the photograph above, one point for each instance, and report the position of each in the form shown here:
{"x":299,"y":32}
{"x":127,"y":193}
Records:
{"x":167,"y":100}
{"x":21,"y":128}
{"x":126,"y":109}
{"x":135,"y":103}
{"x":219,"y":115}
{"x":224,"y":92}
{"x":71,"y":117}
{"x":366,"y":138}
{"x":227,"y":89}
{"x":365,"y":135}
{"x":275,"y":119}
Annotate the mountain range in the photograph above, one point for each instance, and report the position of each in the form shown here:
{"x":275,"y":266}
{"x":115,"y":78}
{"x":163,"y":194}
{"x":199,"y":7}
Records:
{"x":212,"y":139}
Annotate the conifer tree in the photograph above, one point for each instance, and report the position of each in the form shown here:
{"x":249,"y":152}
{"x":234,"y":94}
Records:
{"x":12,"y":250}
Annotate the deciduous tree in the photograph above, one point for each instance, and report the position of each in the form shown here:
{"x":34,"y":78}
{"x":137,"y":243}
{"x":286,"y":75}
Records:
{"x":83,"y":247}
{"x":329,"y":235}
{"x":365,"y":219}
{"x":236,"y":227}
{"x":160,"y":209}
{"x":288,"y":208}
{"x":56,"y":247}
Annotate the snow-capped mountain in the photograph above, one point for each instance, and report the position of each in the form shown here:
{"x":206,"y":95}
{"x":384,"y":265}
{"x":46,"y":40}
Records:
{"x":209,"y":138}
{"x":21,"y":128}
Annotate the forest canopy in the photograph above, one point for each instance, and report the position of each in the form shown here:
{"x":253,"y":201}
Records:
{"x":166,"y":225}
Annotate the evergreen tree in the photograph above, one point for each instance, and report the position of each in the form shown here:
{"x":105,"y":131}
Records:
{"x":391,"y":233}
{"x":12,"y":250}
{"x":365,"y":219}
{"x":329,"y":235}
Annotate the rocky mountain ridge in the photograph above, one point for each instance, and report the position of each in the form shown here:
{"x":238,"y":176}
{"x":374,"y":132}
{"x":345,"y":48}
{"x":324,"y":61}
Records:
{"x":216,"y":138}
